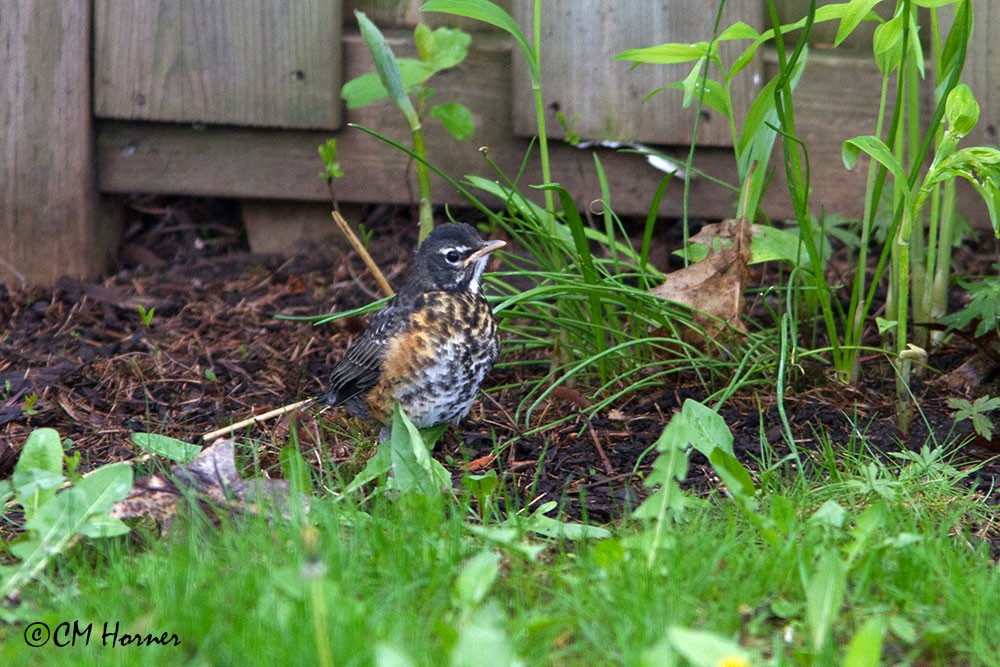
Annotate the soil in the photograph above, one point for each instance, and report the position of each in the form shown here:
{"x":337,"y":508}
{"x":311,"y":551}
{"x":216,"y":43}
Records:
{"x":81,"y":359}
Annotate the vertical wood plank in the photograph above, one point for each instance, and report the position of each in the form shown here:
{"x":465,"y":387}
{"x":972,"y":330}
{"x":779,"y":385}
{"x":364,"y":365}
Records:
{"x":244,"y":62}
{"x":406,"y":14}
{"x":982,"y":73}
{"x":48,"y":225}
{"x":579,"y":39}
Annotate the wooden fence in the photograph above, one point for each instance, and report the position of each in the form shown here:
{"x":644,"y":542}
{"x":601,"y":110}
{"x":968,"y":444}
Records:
{"x":230,"y":98}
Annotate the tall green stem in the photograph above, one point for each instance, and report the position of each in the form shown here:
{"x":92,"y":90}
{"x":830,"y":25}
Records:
{"x":426,"y":214}
{"x":536,"y":87}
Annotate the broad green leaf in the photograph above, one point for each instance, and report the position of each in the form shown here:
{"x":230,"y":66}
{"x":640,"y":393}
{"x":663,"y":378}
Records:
{"x":738,"y":30}
{"x":442,"y":48}
{"x":387,"y":66}
{"x":413,"y":467}
{"x":377,"y":466}
{"x":855,"y":12}
{"x":665,"y":54}
{"x":732,"y":473}
{"x":367,"y":88}
{"x":423,"y":39}
{"x":508,"y":537}
{"x":65,"y":516}
{"x":483,"y":640}
{"x":539,"y":523}
{"x":476,"y":578}
{"x":456,"y":118}
{"x":390,"y":656}
{"x":824,"y":596}
{"x":38,"y":472}
{"x":887,"y":45}
{"x":34,"y":487}
{"x":487,"y":12}
{"x":865,"y":648}
{"x":961,"y":110}
{"x":105,"y":486}
{"x":706,"y":430}
{"x":669,"y":468}
{"x":707,"y":649}
{"x":660,"y":654}
{"x":829,"y":514}
{"x":168,"y":448}
{"x":481,"y":486}
{"x":713,"y":94}
{"x":884,"y":326}
{"x":770,"y":243}
{"x":877,"y":149}
{"x":690,"y":83}
{"x":103,"y":525}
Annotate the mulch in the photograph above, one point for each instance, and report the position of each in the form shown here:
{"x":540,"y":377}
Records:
{"x":80,"y":358}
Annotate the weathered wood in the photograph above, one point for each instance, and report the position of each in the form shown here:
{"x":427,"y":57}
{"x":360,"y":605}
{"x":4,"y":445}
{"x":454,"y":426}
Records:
{"x":824,"y":34}
{"x":983,"y":75}
{"x":388,"y":14}
{"x":244,"y":62}
{"x":601,"y":97}
{"x":142,"y":157}
{"x":49,"y":226}
{"x":287,"y":227}
{"x":825,"y":118}
{"x":283,"y":165}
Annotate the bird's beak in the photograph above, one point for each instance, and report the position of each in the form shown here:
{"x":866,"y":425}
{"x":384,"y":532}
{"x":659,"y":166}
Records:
{"x":485,"y":249}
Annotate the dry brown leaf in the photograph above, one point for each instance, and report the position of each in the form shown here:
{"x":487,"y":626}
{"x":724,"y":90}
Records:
{"x":714,"y":285}
{"x":212,"y":478}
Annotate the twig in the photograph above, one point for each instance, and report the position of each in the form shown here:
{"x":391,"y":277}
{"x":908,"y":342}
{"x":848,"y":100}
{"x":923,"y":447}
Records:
{"x":608,"y":468}
{"x":355,"y":242}
{"x":257,"y":420}
{"x":17,"y":274}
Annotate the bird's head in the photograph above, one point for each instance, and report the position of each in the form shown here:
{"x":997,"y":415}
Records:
{"x":452,"y":259}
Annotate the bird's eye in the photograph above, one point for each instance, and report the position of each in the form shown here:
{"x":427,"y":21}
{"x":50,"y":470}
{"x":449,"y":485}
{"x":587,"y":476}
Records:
{"x":452,"y":256}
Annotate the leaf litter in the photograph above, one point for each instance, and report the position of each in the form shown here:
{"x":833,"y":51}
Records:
{"x":212,"y":352}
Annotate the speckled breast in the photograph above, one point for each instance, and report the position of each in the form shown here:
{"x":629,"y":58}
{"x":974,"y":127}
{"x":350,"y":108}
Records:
{"x":434,"y":368}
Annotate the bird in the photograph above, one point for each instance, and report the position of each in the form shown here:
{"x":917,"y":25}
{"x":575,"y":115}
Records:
{"x":430,"y":347}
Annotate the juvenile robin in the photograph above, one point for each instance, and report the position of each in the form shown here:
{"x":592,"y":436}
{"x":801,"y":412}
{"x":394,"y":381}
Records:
{"x":431,"y":346}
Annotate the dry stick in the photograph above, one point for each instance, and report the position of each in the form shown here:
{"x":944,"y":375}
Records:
{"x":383,"y":285}
{"x":257,"y":420}
{"x":355,"y":242}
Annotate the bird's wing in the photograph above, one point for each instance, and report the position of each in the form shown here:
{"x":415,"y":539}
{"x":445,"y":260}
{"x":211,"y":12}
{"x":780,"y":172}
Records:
{"x":360,"y":367}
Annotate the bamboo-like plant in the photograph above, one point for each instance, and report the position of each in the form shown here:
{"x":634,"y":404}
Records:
{"x":396,"y":78}
{"x":488,"y":12}
{"x":918,"y":248}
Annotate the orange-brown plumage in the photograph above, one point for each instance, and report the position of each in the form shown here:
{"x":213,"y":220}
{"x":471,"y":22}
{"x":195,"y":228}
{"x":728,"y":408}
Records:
{"x":433,"y":343}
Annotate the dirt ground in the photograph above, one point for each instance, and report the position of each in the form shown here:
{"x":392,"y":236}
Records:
{"x":79,"y":358}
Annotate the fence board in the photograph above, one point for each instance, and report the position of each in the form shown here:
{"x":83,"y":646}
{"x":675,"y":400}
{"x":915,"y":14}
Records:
{"x":244,"y":62}
{"x":579,"y":39}
{"x":982,"y":73}
{"x":48,"y":223}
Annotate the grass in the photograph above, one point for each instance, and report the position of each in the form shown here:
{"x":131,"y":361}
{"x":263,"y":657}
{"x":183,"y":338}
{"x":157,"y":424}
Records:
{"x":407,"y":578}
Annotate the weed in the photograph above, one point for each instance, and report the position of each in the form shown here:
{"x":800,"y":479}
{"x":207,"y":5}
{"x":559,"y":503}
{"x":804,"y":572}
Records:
{"x":401,"y":78}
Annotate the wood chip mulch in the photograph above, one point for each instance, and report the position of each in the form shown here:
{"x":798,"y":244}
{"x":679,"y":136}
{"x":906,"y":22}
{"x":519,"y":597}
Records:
{"x":80,"y":358}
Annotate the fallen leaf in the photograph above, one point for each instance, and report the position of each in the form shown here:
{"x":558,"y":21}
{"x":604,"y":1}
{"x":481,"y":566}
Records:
{"x":714,"y":285}
{"x":211,"y":478}
{"x":481,"y":463}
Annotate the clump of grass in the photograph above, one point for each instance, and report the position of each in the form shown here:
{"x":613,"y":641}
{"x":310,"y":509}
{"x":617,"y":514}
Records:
{"x":853,"y":553}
